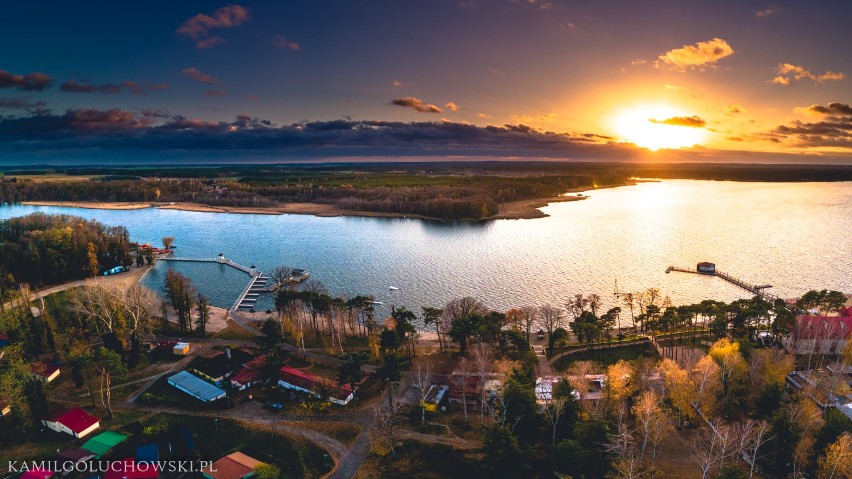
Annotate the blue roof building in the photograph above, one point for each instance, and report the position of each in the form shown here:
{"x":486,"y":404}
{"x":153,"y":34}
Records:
{"x":196,"y":387}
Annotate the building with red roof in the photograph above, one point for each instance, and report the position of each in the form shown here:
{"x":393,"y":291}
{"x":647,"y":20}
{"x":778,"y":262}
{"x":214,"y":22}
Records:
{"x":292,"y":378}
{"x":44,"y":371}
{"x":76,"y":422}
{"x":819,"y":335}
{"x":249,"y":374}
{"x":37,"y":473}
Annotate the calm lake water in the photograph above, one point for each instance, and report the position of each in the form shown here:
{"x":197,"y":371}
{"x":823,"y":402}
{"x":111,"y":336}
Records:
{"x":793,"y":236}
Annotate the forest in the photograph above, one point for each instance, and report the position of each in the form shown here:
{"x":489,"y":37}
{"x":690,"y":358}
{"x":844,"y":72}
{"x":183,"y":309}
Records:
{"x":44,"y":249}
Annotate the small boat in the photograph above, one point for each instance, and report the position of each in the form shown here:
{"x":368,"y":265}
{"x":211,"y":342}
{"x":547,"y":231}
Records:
{"x":393,"y":288}
{"x":377,"y":303}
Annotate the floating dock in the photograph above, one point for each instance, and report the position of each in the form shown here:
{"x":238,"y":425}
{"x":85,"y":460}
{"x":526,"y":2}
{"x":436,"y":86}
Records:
{"x":257,"y":283}
{"x":758,"y":290}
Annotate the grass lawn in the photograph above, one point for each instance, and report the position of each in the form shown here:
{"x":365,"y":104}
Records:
{"x":234,"y":332}
{"x":416,"y":459}
{"x":606,"y":357}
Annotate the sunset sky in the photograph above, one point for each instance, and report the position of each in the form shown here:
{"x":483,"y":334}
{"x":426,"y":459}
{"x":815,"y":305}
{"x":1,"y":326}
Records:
{"x":276,"y":81}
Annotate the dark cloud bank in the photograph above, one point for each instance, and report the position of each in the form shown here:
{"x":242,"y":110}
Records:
{"x":86,"y":136}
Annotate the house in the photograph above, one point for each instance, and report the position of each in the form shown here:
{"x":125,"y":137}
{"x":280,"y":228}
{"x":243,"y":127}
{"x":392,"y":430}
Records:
{"x":76,"y":422}
{"x":37,"y":473}
{"x":130,"y":469}
{"x":705,"y":267}
{"x":233,"y":466}
{"x":467,"y":387}
{"x":819,"y":335}
{"x":223,"y":364}
{"x":196,"y":387}
{"x":44,"y":371}
{"x":296,"y":380}
{"x":249,"y":374}
{"x":180,"y":349}
{"x":103,"y":442}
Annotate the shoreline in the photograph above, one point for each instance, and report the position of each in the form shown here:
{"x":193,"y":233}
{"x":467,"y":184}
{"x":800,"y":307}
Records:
{"x":513,"y":210}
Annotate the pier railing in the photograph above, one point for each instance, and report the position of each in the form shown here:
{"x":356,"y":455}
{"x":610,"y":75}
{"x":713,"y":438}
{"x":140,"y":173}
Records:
{"x":758,"y":290}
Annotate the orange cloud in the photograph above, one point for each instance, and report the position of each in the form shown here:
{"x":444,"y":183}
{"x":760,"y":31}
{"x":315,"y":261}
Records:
{"x":700,"y":55}
{"x":284,"y":44}
{"x":452,"y":106}
{"x":199,"y":76}
{"x":789,"y":73}
{"x":417,"y":104}
{"x":690,"y":121}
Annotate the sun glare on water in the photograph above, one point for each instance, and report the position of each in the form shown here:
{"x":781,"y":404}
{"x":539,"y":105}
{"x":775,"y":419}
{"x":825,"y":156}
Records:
{"x":645,"y":127}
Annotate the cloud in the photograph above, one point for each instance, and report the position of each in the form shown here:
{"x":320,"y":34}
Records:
{"x":698,"y":56}
{"x":452,"y":106}
{"x":282,"y":43}
{"x":690,"y":121}
{"x":734,"y":109}
{"x":119,"y":134}
{"x":71,"y":86}
{"x":766,"y":12}
{"x":396,"y":83}
{"x":789,"y":73}
{"x":199,"y":76}
{"x":215,"y":93}
{"x":484,"y":115}
{"x":198,"y":27}
{"x":417,"y":104}
{"x":35,"y":107}
{"x":526,"y":120}
{"x":834,"y":128}
{"x":36,"y":81}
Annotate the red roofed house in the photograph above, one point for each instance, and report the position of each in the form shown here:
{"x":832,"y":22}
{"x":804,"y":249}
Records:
{"x":249,"y":374}
{"x":130,"y":469}
{"x":76,"y":422}
{"x":37,"y":473}
{"x":46,"y":372}
{"x":291,"y":378}
{"x":233,"y":466}
{"x":819,"y":335}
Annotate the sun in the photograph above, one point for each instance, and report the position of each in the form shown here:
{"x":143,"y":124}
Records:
{"x":643,"y":126}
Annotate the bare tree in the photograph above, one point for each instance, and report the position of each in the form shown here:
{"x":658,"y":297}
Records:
{"x":386,"y":427}
{"x":752,"y":436}
{"x":550,"y":318}
{"x":577,"y":378}
{"x":422,"y":375}
{"x":281,"y":274}
{"x":483,"y":361}
{"x":627,"y":463}
{"x":647,"y":412}
{"x":529,"y":318}
{"x":168,"y":242}
{"x":100,"y":304}
{"x":553,"y":410}
{"x":460,"y":378}
{"x":139,"y":304}
{"x":705,"y":451}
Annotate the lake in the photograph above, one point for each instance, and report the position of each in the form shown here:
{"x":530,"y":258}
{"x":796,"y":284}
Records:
{"x":794,"y":236}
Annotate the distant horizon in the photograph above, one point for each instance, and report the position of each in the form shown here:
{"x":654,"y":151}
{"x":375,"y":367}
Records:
{"x":259,"y":82}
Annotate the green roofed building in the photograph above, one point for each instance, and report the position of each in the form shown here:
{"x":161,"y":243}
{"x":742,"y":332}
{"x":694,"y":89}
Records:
{"x":103,"y":442}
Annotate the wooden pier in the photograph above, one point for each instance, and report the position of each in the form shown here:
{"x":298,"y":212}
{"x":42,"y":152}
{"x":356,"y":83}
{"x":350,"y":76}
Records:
{"x":257,"y":281}
{"x":758,"y":290}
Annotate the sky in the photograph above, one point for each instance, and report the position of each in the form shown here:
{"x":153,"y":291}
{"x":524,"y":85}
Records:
{"x":585,"y":80}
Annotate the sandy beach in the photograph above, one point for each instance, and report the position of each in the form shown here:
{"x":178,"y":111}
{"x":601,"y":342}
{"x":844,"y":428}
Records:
{"x":90,"y":205}
{"x":514,"y":210}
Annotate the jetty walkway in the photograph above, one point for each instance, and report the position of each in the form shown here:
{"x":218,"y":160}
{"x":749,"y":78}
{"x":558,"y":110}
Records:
{"x":759,"y":290}
{"x":257,"y":280}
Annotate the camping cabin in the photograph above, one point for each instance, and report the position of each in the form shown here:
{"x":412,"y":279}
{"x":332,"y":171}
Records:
{"x":76,"y":422}
{"x":434,"y":397}
{"x":233,"y":466}
{"x":44,"y":371}
{"x":180,"y":349}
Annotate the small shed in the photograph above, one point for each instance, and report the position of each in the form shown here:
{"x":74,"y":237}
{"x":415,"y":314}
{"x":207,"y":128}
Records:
{"x":181,"y":349}
{"x":705,"y":267}
{"x":233,"y":466}
{"x":76,"y":422}
{"x":103,"y":442}
{"x":44,"y":371}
